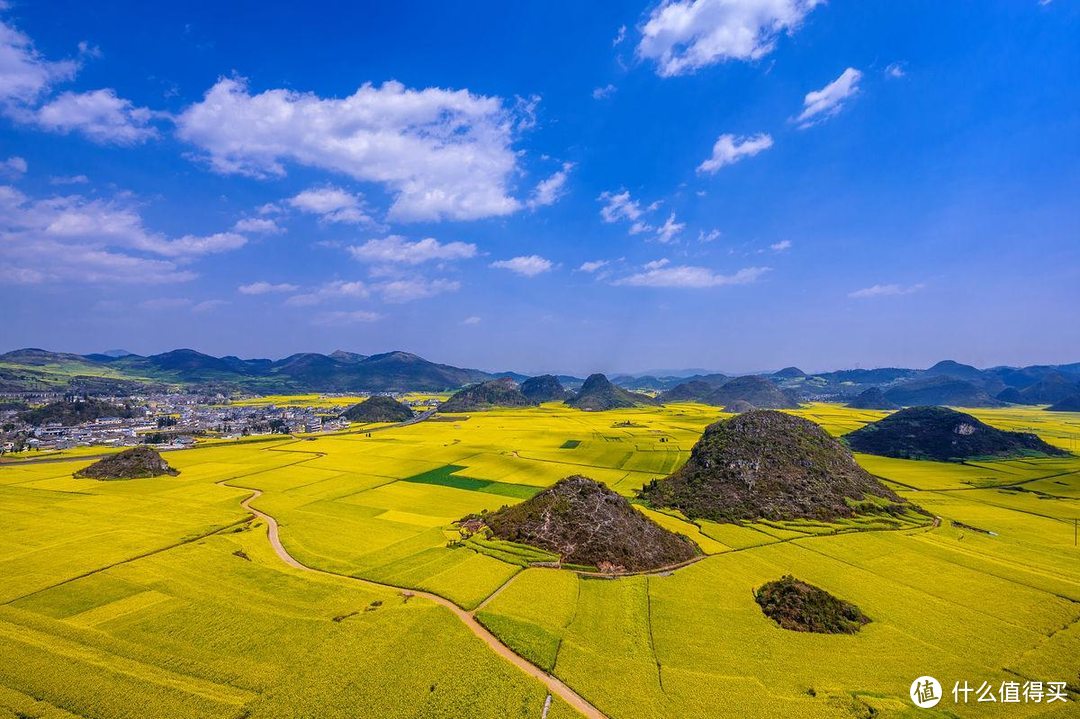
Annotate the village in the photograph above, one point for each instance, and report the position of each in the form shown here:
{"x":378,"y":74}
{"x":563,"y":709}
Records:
{"x":168,"y":421}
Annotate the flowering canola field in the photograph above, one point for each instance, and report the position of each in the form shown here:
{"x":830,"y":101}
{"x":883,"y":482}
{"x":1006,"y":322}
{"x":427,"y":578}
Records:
{"x":162,"y":598}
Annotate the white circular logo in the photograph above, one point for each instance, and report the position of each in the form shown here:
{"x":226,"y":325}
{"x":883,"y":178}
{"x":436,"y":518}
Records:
{"x":925,"y":692}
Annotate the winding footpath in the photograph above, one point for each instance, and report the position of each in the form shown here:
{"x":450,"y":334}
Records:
{"x":554,"y":685}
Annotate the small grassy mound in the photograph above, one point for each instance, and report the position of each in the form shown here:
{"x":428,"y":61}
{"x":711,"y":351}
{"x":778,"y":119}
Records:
{"x":135,"y":463}
{"x":802,"y":607}
{"x":379,"y":408}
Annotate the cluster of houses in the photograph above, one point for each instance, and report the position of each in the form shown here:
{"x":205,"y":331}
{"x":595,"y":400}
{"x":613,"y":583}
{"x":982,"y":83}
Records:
{"x":173,"y":421}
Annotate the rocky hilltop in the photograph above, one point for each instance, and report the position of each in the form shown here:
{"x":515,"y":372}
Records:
{"x":598,"y":394}
{"x":545,"y":388}
{"x":945,"y":435}
{"x":378,"y":408}
{"x":770,"y":465}
{"x":135,"y":463}
{"x":586,"y":523}
{"x":872,"y":398}
{"x":487,"y":395}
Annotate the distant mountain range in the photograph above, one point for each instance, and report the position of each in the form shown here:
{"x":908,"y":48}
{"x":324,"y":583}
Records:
{"x":118,"y":372}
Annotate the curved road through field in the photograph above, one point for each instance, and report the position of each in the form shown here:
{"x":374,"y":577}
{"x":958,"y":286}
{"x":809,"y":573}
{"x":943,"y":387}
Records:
{"x":554,"y":685}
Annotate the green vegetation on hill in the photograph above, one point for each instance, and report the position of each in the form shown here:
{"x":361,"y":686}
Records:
{"x":872,"y":398}
{"x":136,"y":463}
{"x":69,"y":413}
{"x":945,"y":435}
{"x":758,"y":391}
{"x":599,"y":394}
{"x":1069,"y":404}
{"x":802,"y":607}
{"x":378,"y":408}
{"x":588,"y":524}
{"x":487,"y":395}
{"x":940,"y":390}
{"x":544,"y":388}
{"x":771,"y":465}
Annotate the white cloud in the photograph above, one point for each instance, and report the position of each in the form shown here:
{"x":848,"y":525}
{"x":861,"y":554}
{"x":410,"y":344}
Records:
{"x":208,"y":305}
{"x":339,"y":319}
{"x":331,"y":204}
{"x":337,"y":289}
{"x":829,"y":100}
{"x":729,"y":149}
{"x":99,"y":115}
{"x":69,"y":180}
{"x":473,"y":320}
{"x":891,"y":290}
{"x":682,"y":36}
{"x":257,"y":225}
{"x":895,"y":70}
{"x":549,"y":190}
{"x":262,"y":288}
{"x":620,"y":206}
{"x":668,"y":231}
{"x":781,"y":246}
{"x":443,"y":154}
{"x":710,"y":236}
{"x":414,"y":288}
{"x":593,"y":266}
{"x":25,"y":75}
{"x":14,"y":166}
{"x":157,"y":304}
{"x":662,"y":274}
{"x":77,"y":239}
{"x":619,"y":36}
{"x":527,"y":265}
{"x":602,"y":93}
{"x":396,"y":249}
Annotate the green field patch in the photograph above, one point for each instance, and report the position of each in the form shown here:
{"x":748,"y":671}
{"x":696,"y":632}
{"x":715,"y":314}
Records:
{"x":538,"y":645}
{"x":446,"y":476}
{"x":570,"y":444}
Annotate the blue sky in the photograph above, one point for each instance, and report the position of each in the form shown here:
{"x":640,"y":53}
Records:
{"x":728,"y":184}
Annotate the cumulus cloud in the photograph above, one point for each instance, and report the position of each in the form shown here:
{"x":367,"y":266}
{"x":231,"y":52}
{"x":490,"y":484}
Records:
{"x":549,"y":190}
{"x":331,"y":204}
{"x":397,"y":250}
{"x":258,"y":226}
{"x":99,"y":115}
{"x":620,"y":207}
{"x":526,"y":265}
{"x":602,"y":93}
{"x":13,"y":167}
{"x":729,"y":149}
{"x":669,"y":230}
{"x":890,"y":290}
{"x":415,"y":288}
{"x":822,"y":104}
{"x":442,"y":154}
{"x":69,"y":180}
{"x":473,"y":320}
{"x":662,"y":273}
{"x":263,"y":288}
{"x":781,"y":246}
{"x":895,"y":70}
{"x":25,"y":76}
{"x":336,"y":289}
{"x":342,"y":318}
{"x":77,"y":239}
{"x":682,"y":36}
{"x":710,"y":236}
{"x":593,"y":266}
